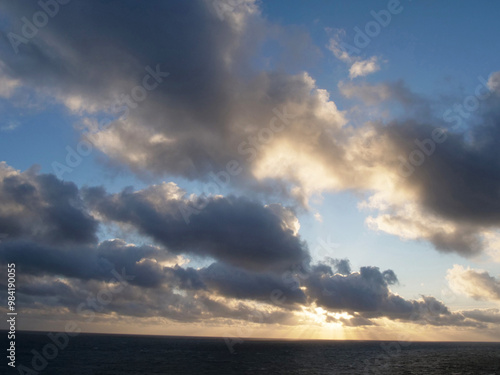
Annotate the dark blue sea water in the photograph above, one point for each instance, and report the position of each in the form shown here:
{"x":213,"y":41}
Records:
{"x":89,"y":354}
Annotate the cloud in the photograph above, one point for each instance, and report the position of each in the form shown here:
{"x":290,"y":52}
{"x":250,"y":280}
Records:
{"x":485,"y":315}
{"x":194,"y":121}
{"x":89,"y":262}
{"x":79,"y":301}
{"x":234,"y":230}
{"x":62,"y":277}
{"x":260,"y":257}
{"x":7,"y":84}
{"x":494,"y":82}
{"x":366,"y":296}
{"x":357,"y":66}
{"x":242,"y":284}
{"x":341,"y":266}
{"x":492,"y":245}
{"x":366,"y":290}
{"x":364,"y":67}
{"x":56,"y":278}
{"x":428,"y":181}
{"x":262,"y":267}
{"x":41,"y":214}
{"x":474,"y":283}
{"x":443,"y":206}
{"x":42,"y":208}
{"x":335,"y":45}
{"x":258,"y":243}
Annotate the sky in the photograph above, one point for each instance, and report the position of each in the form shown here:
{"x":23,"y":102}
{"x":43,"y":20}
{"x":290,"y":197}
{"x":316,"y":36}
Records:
{"x":242,"y":168}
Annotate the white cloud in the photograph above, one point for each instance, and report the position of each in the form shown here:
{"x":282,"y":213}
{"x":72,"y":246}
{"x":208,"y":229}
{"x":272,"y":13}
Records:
{"x":358,"y":67}
{"x":492,"y":239}
{"x":334,"y":45}
{"x":364,"y":67}
{"x":494,"y":82}
{"x":477,"y":284}
{"x":7,"y":85}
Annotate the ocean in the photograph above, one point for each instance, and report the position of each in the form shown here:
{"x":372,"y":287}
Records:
{"x":92,"y":354}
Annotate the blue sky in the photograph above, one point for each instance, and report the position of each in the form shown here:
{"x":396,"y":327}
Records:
{"x":228,"y":74}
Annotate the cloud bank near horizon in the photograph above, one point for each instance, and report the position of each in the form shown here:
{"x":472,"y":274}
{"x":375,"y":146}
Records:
{"x":256,"y":258}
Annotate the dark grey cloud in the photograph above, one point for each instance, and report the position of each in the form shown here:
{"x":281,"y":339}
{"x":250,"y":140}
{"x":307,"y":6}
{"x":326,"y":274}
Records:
{"x":187,"y":278}
{"x":366,"y":290}
{"x":83,"y":299}
{"x":260,"y":241}
{"x":486,"y":315}
{"x":366,"y":295}
{"x":95,"y":52}
{"x":255,"y":244}
{"x":189,"y":295}
{"x":214,"y":109}
{"x":44,"y":209}
{"x":460,"y":180}
{"x":243,"y":284}
{"x":87,"y":262}
{"x":64,"y":277}
{"x":342,"y":266}
{"x":440,"y":156}
{"x":234,"y":230}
